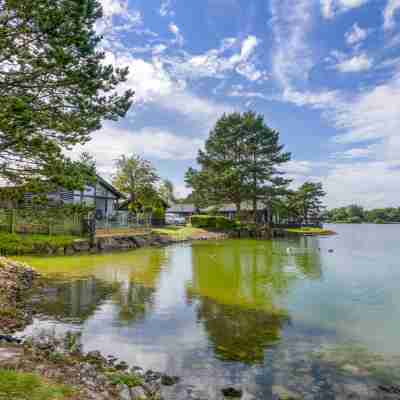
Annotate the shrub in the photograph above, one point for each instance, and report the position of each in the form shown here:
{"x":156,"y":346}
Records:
{"x":212,"y":222}
{"x":13,"y":244}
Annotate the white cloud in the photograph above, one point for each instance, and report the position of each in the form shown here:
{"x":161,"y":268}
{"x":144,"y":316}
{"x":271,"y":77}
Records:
{"x":373,"y":114}
{"x":216,"y":63}
{"x":356,"y":35}
{"x":355,"y":153}
{"x":371,"y":184}
{"x":329,"y":8}
{"x":111,"y":141}
{"x":392,"y":7}
{"x":166,"y":9}
{"x":357,"y":63}
{"x":174,"y":29}
{"x":152,"y":83}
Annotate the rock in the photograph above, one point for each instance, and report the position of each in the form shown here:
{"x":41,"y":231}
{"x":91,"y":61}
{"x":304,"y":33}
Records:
{"x":167,"y":380}
{"x":232,"y":392}
{"x":81,"y":245}
{"x":125,"y":393}
{"x":284,"y":394}
{"x":69,"y":251}
{"x":121,"y":366}
{"x":391,"y":389}
{"x":138,"y":393}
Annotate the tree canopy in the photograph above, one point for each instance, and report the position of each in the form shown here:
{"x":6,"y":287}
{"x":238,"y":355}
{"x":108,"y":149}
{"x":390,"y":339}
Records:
{"x":55,"y":88}
{"x":356,"y":214}
{"x":138,"y":179}
{"x":306,"y":202}
{"x":240,"y":162}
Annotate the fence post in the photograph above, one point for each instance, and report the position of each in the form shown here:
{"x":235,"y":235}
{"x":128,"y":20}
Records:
{"x":12,"y":222}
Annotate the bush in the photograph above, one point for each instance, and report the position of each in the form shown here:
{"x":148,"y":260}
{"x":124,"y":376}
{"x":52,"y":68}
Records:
{"x":13,"y":244}
{"x":212,"y":222}
{"x":158,"y":213}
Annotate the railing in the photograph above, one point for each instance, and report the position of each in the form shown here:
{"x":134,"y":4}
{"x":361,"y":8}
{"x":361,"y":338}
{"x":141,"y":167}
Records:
{"x":123,"y":222}
{"x":30,"y":221}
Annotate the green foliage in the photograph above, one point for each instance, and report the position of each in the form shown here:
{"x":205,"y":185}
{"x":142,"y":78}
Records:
{"x":306,"y":202}
{"x":23,"y":386}
{"x":356,"y":214}
{"x":55,"y":91}
{"x":239,"y":162}
{"x":13,"y":244}
{"x":158,"y":213}
{"x":129,"y":380}
{"x":212,"y":222}
{"x":137,"y":178}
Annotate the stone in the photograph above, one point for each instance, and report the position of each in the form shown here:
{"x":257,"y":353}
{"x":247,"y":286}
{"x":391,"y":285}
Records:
{"x":69,"y":251}
{"x":125,"y":393}
{"x":284,"y":394}
{"x":167,"y":380}
{"x":138,"y":393}
{"x":81,"y":245}
{"x":391,"y":389}
{"x":232,"y":392}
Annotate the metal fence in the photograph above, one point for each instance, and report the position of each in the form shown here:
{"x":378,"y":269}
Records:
{"x":121,"y":222}
{"x":30,"y":221}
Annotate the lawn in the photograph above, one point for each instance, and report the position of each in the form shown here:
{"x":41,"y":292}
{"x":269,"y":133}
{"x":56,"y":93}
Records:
{"x":311,"y":231}
{"x":14,"y":244}
{"x":22,"y":386}
{"x":181,"y":232}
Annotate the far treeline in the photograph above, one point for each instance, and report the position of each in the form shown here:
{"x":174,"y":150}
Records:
{"x":355,"y":214}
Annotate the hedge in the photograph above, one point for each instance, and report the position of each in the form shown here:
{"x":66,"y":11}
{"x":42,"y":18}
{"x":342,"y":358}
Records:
{"x":212,"y":222}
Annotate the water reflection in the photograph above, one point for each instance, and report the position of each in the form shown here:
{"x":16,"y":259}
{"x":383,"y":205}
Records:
{"x":74,"y":300}
{"x":240,"y":286}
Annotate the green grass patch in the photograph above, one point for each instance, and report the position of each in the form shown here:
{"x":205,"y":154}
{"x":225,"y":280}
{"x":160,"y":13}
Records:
{"x":179,"y":232}
{"x":311,"y":231}
{"x":14,"y":244}
{"x":125,"y":379}
{"x":23,"y":386}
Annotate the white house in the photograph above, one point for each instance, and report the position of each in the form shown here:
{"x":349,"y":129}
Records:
{"x":102,"y":195}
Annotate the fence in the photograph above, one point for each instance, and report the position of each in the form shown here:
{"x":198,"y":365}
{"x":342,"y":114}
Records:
{"x":41,"y":221}
{"x":125,"y":222}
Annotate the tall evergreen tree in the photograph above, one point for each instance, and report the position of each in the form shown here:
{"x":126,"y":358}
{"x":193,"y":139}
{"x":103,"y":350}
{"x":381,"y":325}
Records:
{"x":55,"y":89}
{"x":239,"y":163}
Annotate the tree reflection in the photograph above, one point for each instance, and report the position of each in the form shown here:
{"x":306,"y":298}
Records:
{"x":74,"y":300}
{"x":241,"y":287}
{"x":134,"y":301}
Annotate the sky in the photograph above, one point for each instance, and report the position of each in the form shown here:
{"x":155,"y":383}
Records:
{"x":324,"y":73}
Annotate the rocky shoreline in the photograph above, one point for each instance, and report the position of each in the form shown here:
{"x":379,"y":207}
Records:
{"x":16,"y":281}
{"x":60,"y":360}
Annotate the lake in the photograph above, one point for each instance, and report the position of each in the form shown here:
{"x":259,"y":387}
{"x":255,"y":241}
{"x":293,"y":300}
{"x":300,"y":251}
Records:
{"x":310,"y":314}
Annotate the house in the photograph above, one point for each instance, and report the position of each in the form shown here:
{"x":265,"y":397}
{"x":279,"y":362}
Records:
{"x":182,"y":210}
{"x":102,"y":195}
{"x":229,"y":210}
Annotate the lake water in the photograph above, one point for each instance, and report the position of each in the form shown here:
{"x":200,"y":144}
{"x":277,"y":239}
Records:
{"x":309,"y":314}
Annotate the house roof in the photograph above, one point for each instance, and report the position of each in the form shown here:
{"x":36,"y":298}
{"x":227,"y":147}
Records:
{"x":182,"y":208}
{"x":109,"y":187}
{"x":230,"y":207}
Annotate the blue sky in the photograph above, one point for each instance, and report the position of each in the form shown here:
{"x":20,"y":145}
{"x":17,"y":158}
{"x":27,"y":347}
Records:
{"x":325,"y":73}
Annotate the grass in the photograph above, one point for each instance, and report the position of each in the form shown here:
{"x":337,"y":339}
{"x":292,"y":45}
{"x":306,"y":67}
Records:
{"x":14,"y":244}
{"x":180,"y":232}
{"x":125,"y":379}
{"x":23,"y":386}
{"x":311,"y":231}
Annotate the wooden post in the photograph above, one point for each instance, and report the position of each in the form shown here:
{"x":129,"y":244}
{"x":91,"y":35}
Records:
{"x":12,"y":224}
